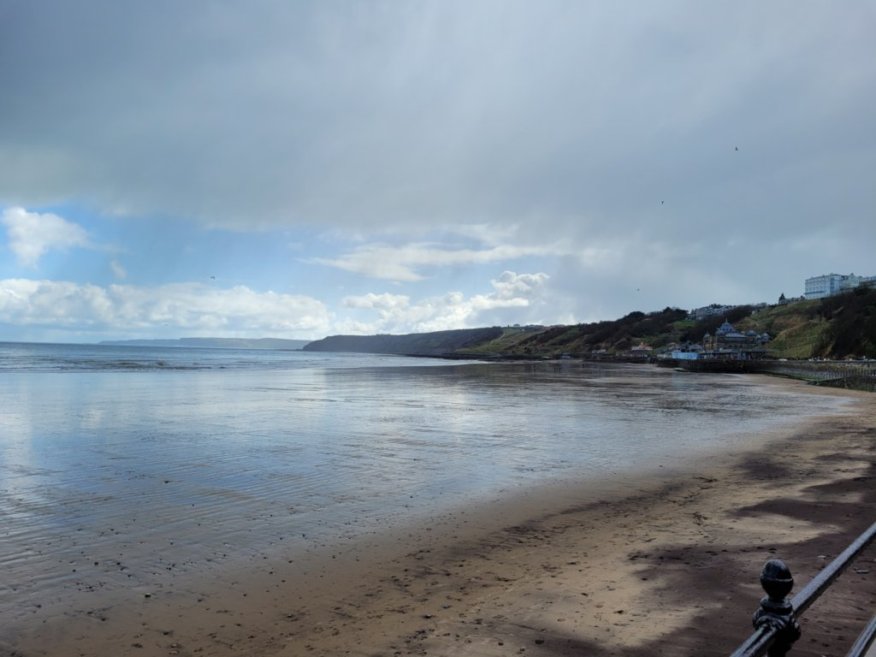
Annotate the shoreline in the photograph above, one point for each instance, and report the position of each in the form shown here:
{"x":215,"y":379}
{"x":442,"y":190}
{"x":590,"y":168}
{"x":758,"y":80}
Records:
{"x":654,"y":564}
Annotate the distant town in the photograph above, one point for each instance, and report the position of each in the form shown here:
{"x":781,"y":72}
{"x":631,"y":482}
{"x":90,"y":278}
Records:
{"x":728,"y":343}
{"x":817,"y":287}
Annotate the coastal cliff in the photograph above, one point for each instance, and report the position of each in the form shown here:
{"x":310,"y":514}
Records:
{"x":437,"y":343}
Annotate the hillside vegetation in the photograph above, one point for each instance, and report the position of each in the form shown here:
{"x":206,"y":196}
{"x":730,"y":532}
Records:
{"x":843,"y":326}
{"x":437,"y":343}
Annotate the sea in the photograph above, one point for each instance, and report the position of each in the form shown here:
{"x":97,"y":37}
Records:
{"x":152,"y":460}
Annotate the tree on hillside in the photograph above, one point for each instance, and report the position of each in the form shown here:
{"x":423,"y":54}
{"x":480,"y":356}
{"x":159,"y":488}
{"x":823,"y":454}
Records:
{"x":852,"y":328}
{"x":711,"y":324}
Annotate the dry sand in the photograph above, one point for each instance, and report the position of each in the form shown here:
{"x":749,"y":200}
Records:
{"x":659,"y":565}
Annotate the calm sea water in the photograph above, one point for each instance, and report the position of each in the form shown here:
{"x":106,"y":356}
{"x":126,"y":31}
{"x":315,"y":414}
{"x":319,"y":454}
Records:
{"x":161,"y":459}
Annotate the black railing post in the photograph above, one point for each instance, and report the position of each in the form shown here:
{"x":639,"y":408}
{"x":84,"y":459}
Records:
{"x":776,"y":612}
{"x":775,"y":622}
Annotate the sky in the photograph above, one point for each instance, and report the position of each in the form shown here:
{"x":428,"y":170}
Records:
{"x":303,"y":169}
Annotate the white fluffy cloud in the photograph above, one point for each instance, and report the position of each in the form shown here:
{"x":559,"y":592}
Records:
{"x":186,"y":307}
{"x":383,"y":302}
{"x":196,"y":309}
{"x":515,"y":298}
{"x":32,"y":234}
{"x":511,"y":286}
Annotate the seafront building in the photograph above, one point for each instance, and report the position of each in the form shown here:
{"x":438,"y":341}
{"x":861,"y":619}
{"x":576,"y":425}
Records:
{"x":727,"y":341}
{"x":826,"y":285}
{"x":726,"y":344}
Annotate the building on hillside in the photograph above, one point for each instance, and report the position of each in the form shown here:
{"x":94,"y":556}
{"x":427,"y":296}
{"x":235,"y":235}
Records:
{"x":709,"y":311}
{"x":826,"y":285}
{"x":641,"y":351}
{"x":728,"y":350}
{"x":730,"y":343}
{"x":726,"y":344}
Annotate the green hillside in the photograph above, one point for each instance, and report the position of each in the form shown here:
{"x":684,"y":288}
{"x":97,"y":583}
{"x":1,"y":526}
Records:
{"x":842,"y":326}
{"x":437,"y":343}
{"x":837,"y":327}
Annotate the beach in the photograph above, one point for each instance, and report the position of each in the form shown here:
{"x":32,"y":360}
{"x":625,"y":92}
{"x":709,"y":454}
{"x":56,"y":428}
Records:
{"x":659,"y":563}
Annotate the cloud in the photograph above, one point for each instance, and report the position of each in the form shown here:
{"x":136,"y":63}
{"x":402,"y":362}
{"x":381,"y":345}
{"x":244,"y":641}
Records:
{"x":516,"y":298}
{"x":518,"y":286}
{"x":179,"y":308}
{"x":382,"y":302}
{"x":196,"y":309}
{"x":445,"y":112}
{"x":32,"y":234}
{"x":403,"y":263}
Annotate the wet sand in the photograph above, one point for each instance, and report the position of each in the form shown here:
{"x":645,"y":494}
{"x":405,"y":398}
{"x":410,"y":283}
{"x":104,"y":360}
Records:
{"x":661,"y":564}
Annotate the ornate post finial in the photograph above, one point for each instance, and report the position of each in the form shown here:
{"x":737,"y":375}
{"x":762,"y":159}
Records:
{"x":775,"y":609}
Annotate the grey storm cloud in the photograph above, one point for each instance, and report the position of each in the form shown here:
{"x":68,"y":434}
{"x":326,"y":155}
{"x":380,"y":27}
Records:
{"x":590,"y":120}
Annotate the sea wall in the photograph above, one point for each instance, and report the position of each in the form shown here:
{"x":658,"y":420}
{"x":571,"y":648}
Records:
{"x":858,"y":375}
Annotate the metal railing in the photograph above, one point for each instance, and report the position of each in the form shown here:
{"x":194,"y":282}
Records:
{"x":775,"y":621}
{"x":865,"y":640}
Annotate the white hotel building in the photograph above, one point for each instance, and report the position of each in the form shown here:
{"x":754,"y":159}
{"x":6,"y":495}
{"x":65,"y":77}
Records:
{"x":827,"y":285}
